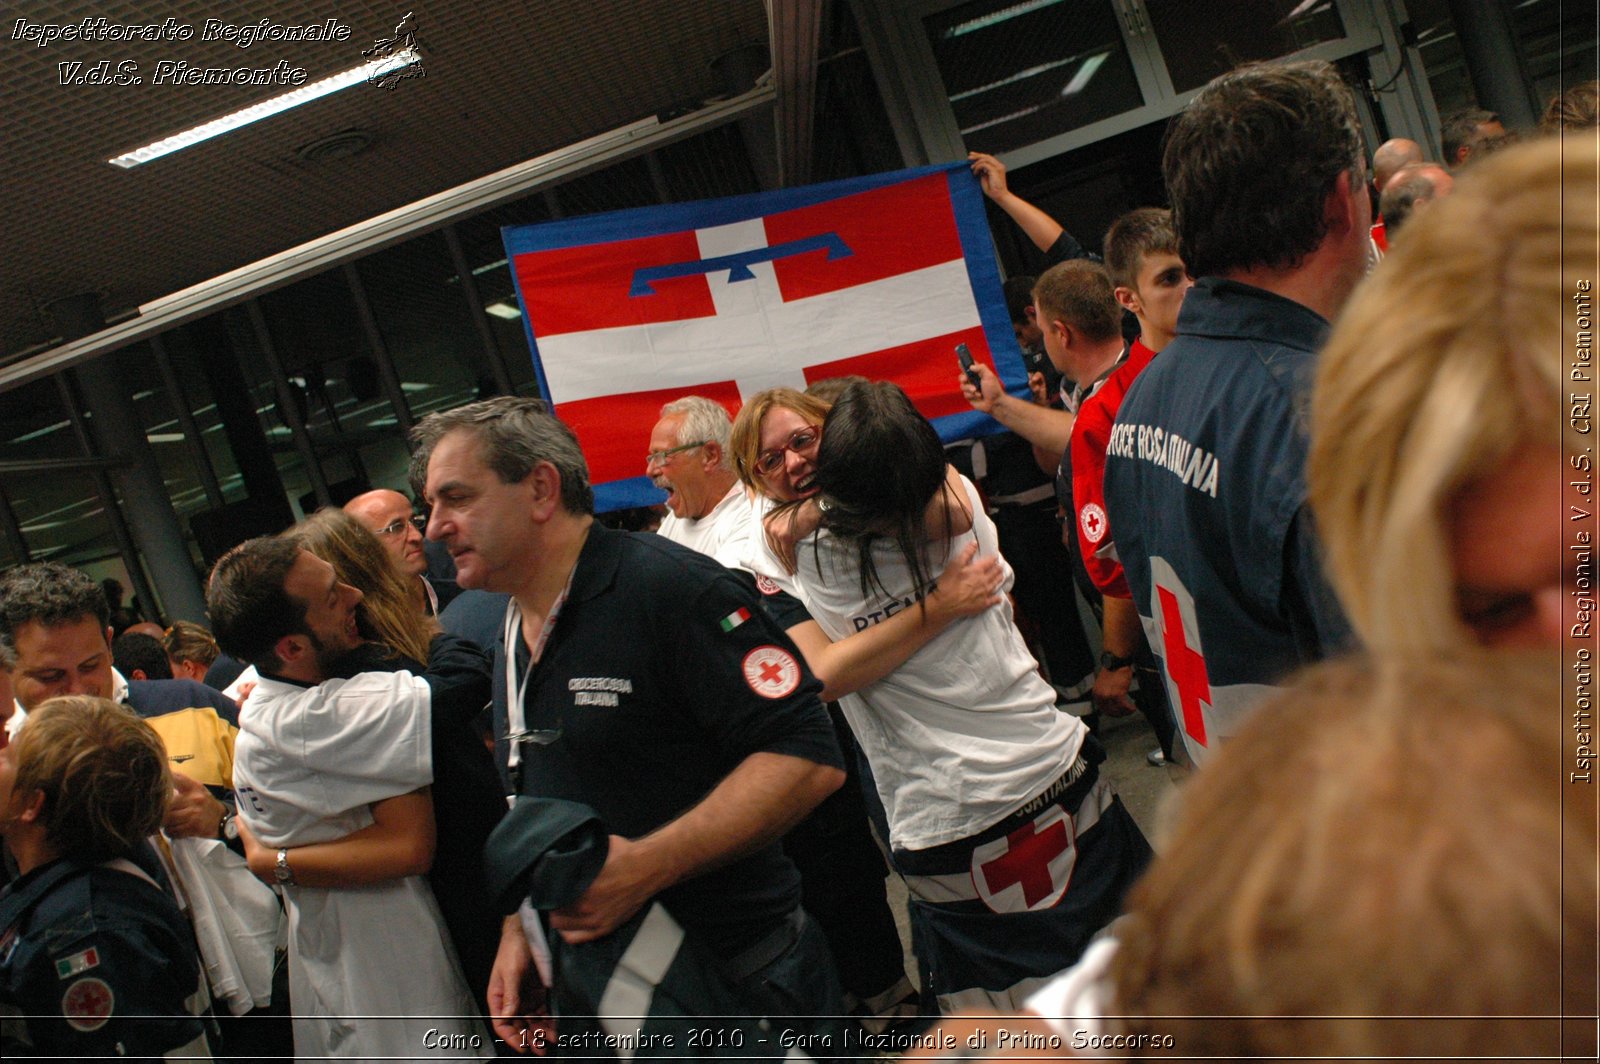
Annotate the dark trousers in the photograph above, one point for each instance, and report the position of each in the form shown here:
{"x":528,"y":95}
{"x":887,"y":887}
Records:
{"x":842,"y":874}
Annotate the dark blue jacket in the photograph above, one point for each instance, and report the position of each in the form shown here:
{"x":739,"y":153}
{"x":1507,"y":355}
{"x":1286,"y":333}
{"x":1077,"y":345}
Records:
{"x":1205,"y":485}
{"x":101,"y":962}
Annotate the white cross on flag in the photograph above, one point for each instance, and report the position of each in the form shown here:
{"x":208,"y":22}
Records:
{"x":881,"y":276}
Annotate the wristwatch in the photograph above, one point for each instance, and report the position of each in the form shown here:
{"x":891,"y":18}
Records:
{"x":282,"y":872}
{"x":228,"y":829}
{"x":1111,"y":663}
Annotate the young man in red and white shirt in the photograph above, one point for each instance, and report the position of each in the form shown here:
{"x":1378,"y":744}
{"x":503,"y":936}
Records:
{"x":1150,"y":281}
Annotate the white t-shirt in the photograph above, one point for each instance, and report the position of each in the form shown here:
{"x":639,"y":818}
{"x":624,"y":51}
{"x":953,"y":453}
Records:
{"x":757,"y":555}
{"x":966,"y":731}
{"x":308,"y":764}
{"x":720,"y":533}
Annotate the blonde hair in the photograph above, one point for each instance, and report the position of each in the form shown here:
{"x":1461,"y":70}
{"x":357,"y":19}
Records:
{"x":1376,"y":842}
{"x":389,"y":605}
{"x":745,"y":442}
{"x":1448,"y":358}
{"x":187,"y":641}
{"x":103,"y":773}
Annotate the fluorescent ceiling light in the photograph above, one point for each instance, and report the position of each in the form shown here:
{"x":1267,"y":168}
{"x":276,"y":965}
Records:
{"x":1073,"y":87}
{"x":164,"y":437}
{"x":36,"y":433}
{"x":1021,"y":75}
{"x":504,"y":309}
{"x":477,"y":271}
{"x":1005,"y":14}
{"x":267,"y":108}
{"x":1002,"y":119}
{"x":1081,"y":78}
{"x":1305,"y":7}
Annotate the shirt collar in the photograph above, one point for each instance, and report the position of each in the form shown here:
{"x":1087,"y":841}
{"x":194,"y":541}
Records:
{"x":598,"y":561}
{"x":1222,"y":308}
{"x":275,"y":678}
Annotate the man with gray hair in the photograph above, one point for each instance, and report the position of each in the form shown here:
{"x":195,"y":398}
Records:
{"x":688,"y":460}
{"x":1462,"y":131}
{"x":1410,"y":191}
{"x":644,"y":681}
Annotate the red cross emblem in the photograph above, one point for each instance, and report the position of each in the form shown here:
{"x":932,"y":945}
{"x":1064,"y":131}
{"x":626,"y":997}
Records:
{"x":87,"y":1004}
{"x":1030,"y":868}
{"x":1185,"y":665}
{"x":771,"y":672}
{"x":1092,"y":520}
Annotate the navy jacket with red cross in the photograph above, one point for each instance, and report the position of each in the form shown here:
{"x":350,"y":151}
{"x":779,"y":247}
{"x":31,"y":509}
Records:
{"x":662,"y":673}
{"x":1205,"y":487}
{"x":99,"y":962}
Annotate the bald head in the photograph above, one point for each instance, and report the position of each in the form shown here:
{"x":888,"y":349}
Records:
{"x":1390,"y":157}
{"x":387,"y":515}
{"x":1411,"y":189}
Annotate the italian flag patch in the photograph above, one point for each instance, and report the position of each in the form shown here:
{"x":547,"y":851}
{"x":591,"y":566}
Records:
{"x":68,"y":967}
{"x":735,"y":619}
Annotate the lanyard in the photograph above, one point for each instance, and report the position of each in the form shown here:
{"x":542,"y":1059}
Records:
{"x":516,"y":713}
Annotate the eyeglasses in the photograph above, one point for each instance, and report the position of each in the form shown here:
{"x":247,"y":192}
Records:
{"x":768,"y":462}
{"x":660,"y":457}
{"x":398,"y":525}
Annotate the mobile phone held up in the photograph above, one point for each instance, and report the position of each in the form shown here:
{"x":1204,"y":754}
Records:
{"x":968,"y":366}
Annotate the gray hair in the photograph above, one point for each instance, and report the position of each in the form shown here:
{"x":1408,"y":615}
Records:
{"x":514,"y":435}
{"x":704,"y":420}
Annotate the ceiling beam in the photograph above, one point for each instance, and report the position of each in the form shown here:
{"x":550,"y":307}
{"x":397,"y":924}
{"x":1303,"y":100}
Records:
{"x":795,"y":32}
{"x":383,"y":230}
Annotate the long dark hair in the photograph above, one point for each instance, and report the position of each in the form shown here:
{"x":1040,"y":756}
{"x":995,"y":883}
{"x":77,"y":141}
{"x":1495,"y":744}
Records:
{"x":879,"y":466}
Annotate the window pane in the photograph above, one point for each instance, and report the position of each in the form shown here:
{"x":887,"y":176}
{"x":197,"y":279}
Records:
{"x":59,"y":512}
{"x":416,"y":297}
{"x":1558,"y":41}
{"x":1200,"y":41}
{"x":1017,"y":73}
{"x":292,"y":473}
{"x":711,"y":164}
{"x":852,"y":134}
{"x":485,"y":250}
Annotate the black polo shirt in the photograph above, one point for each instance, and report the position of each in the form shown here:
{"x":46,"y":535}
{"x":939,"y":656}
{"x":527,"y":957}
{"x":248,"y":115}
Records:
{"x":661,"y":675}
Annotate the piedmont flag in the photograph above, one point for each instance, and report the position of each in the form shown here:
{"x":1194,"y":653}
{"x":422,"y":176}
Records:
{"x":880,"y":276}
